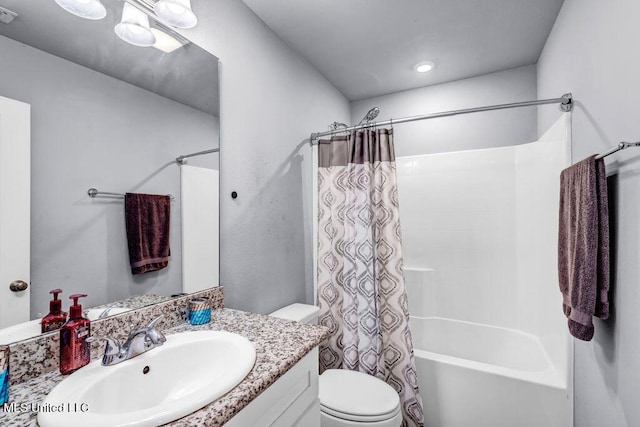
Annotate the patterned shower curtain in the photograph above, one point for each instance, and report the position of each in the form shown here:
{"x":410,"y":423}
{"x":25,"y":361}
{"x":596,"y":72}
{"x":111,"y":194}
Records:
{"x":361,"y":289}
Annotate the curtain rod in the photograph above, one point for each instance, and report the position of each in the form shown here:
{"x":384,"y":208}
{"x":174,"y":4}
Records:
{"x":566,"y":104}
{"x":180,"y":159}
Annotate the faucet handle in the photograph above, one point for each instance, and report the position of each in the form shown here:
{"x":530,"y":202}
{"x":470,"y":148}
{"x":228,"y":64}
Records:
{"x":112,"y":347}
{"x":155,"y":321}
{"x":154,"y":335}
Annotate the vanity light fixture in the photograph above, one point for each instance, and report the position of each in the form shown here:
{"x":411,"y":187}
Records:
{"x":88,"y":9}
{"x":177,"y":13}
{"x":424,"y":66}
{"x":134,"y":27}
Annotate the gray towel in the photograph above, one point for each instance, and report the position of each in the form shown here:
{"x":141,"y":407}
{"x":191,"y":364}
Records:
{"x":583,"y":245}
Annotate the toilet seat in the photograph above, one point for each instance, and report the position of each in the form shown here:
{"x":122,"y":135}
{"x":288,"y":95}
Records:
{"x":355,"y":396}
{"x":359,"y":418}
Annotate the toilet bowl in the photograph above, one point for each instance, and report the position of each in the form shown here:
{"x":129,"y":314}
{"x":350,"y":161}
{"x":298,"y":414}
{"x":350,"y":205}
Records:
{"x":348,"y":398}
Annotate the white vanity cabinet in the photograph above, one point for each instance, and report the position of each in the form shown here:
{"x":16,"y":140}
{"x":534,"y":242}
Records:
{"x":291,"y":401}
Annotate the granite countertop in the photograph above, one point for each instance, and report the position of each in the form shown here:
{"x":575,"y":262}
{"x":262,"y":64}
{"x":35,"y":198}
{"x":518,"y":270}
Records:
{"x":279,"y":344}
{"x":136,"y":302}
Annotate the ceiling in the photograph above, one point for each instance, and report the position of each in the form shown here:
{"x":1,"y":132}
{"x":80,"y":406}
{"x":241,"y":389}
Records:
{"x":188,"y":75}
{"x":367,"y":48}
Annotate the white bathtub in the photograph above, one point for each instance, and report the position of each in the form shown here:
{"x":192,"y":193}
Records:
{"x":479,"y":243}
{"x":473,"y":375}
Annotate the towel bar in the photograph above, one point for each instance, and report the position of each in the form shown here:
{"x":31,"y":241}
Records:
{"x":621,"y":146}
{"x":93,"y":193}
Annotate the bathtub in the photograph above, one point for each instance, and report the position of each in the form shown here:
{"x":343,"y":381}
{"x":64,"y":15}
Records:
{"x":479,"y":245}
{"x":473,"y":375}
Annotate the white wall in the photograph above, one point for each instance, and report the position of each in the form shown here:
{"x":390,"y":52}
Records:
{"x":472,"y":131}
{"x":591,"y":52}
{"x":271,"y":100}
{"x":90,"y":130}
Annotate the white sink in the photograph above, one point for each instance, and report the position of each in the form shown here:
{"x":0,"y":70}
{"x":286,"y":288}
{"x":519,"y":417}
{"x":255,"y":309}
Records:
{"x":191,"y":370}
{"x":32,"y":328}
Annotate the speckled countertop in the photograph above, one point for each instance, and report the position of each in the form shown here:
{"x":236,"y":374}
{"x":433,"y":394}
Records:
{"x":136,"y":302}
{"x":279,"y":344}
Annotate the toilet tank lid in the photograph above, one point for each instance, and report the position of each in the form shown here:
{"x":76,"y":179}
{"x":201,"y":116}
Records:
{"x":304,"y":313}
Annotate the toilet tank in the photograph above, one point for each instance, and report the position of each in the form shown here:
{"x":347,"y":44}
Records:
{"x":303,"y":313}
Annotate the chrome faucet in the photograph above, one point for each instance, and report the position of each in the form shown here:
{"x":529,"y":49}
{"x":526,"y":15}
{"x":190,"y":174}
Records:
{"x":139,"y":341}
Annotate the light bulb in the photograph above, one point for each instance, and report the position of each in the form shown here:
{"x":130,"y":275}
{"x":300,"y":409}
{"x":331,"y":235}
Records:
{"x":87,"y":9}
{"x":134,"y":27}
{"x":177,"y":13}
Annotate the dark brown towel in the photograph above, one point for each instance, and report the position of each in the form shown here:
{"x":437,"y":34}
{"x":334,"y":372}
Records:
{"x":583,"y":245}
{"x":147,"y":220}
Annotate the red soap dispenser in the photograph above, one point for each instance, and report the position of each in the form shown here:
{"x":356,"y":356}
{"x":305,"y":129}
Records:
{"x":56,"y":317}
{"x":75,"y":351}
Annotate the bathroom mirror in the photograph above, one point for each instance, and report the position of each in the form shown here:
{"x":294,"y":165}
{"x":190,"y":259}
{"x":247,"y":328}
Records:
{"x":112,"y":116}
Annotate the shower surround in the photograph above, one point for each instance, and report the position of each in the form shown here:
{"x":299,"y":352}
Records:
{"x":480,"y":242}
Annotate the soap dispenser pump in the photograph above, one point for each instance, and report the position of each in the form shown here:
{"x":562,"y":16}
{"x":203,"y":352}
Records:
{"x":75,"y":351}
{"x":56,"y":317}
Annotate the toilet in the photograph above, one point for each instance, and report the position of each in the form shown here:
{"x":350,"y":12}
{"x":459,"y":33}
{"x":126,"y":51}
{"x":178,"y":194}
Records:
{"x":348,"y":398}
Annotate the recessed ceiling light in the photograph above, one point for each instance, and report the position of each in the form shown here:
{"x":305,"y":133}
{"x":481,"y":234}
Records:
{"x":88,"y":9}
{"x":424,"y":66}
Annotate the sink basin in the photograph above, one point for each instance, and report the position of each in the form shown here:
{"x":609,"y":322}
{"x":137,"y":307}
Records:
{"x":191,"y":370}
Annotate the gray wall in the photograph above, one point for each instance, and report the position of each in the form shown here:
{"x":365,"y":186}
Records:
{"x":592,"y":52}
{"x":90,"y":130}
{"x":464,"y":132}
{"x":271,"y":100}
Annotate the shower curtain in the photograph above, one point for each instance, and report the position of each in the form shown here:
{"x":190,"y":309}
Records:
{"x":361,"y":290}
